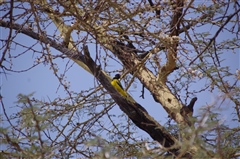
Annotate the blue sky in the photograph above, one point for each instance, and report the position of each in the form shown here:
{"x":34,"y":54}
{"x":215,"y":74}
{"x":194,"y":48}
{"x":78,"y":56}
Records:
{"x":42,"y":81}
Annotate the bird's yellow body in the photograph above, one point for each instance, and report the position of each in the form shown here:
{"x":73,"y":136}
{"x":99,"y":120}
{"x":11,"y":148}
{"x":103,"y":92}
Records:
{"x":117,"y":85}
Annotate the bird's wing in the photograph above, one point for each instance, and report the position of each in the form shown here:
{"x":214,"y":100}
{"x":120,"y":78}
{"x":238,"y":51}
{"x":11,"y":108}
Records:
{"x":119,"y":83}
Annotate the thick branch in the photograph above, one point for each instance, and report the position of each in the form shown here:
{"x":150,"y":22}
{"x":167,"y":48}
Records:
{"x":65,"y":30}
{"x":135,"y":111}
{"x":172,"y":49}
{"x":161,"y":93}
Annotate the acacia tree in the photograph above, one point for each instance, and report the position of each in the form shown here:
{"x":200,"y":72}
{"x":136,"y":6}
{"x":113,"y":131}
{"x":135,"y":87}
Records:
{"x":163,"y":45}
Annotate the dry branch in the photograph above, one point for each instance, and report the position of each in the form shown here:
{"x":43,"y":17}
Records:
{"x":135,"y":111}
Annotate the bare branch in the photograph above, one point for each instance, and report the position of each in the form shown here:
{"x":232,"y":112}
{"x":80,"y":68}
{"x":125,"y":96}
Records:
{"x":157,"y":10}
{"x":214,"y":37}
{"x":134,"y":110}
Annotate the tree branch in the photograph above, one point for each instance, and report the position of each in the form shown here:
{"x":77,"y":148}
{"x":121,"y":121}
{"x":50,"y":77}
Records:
{"x":160,"y":92}
{"x":135,"y":111}
{"x":214,"y":37}
{"x":172,"y":49}
{"x":157,"y":10}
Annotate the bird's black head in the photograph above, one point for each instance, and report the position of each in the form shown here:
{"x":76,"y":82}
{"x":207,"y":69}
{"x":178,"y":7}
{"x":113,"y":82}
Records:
{"x":117,"y":76}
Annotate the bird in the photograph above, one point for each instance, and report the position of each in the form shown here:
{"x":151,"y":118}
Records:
{"x":187,"y":111}
{"x":117,"y":85}
{"x":191,"y":105}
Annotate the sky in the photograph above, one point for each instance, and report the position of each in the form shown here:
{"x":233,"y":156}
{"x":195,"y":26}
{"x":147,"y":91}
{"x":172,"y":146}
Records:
{"x":41,"y":81}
